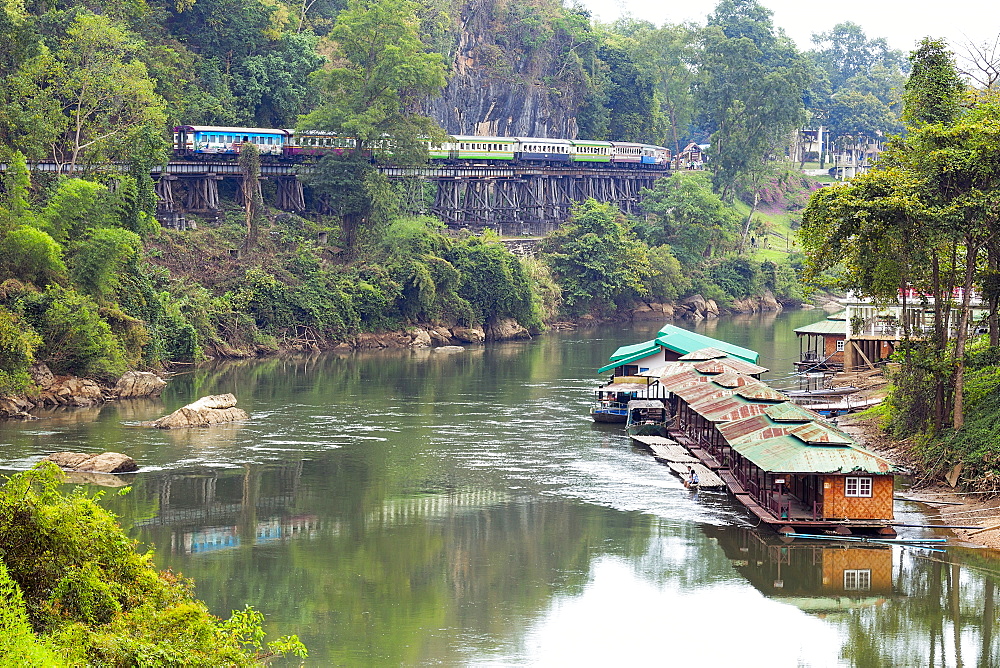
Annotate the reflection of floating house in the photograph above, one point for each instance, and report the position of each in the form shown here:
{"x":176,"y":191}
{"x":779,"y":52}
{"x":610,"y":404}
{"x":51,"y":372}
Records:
{"x":214,"y":539}
{"x":787,"y":465}
{"x":816,"y":578}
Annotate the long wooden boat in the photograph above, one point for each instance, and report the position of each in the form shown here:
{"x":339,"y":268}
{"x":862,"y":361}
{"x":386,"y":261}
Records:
{"x":647,"y":417}
{"x":609,"y":411}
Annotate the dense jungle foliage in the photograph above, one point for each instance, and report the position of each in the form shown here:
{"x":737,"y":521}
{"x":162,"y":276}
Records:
{"x":924,"y":225}
{"x":75,"y":591}
{"x":91,"y":285}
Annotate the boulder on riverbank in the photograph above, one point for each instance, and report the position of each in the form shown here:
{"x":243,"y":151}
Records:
{"x":106,"y":462}
{"x":213,"y":409}
{"x":136,"y":384}
{"x":506,"y":329}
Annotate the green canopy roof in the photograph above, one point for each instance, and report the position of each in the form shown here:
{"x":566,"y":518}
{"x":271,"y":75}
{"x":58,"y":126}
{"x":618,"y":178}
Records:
{"x":834,"y":324}
{"x":632,"y":353}
{"x":790,"y":454}
{"x":683,"y":341}
{"x":677,"y":340}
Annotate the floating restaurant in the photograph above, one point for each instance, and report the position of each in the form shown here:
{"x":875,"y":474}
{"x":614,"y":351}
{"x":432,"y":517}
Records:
{"x":786,"y":464}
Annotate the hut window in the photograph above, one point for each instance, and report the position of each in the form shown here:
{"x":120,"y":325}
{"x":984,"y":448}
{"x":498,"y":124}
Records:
{"x":857,"y":486}
{"x":840,"y":345}
{"x":858,"y":580}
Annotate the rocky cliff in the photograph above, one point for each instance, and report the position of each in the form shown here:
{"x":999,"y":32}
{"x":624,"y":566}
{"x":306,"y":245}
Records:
{"x":518,"y":69}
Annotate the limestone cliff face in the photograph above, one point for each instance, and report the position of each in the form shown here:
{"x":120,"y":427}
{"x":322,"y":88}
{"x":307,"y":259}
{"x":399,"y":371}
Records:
{"x":516,"y":70}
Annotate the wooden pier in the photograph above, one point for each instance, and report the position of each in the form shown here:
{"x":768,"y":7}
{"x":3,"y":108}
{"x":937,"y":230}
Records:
{"x":674,"y":455}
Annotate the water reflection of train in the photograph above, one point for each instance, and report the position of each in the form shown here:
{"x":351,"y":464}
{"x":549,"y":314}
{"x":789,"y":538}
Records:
{"x":816,"y":577}
{"x":215,"y":538}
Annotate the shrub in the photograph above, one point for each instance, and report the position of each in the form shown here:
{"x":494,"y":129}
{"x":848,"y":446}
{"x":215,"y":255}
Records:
{"x":72,"y":580}
{"x":17,"y":352}
{"x":75,"y":339}
{"x":29,"y":254}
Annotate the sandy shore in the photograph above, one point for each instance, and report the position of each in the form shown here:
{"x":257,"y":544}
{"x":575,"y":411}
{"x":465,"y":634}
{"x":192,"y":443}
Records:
{"x":944,"y":504}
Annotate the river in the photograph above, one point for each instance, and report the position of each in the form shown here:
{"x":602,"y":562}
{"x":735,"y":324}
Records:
{"x":427,"y":508}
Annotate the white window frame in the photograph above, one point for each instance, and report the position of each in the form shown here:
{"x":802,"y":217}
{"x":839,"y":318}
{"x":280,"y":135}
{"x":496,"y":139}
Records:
{"x":858,"y":487}
{"x":841,"y":344}
{"x":859,"y":579}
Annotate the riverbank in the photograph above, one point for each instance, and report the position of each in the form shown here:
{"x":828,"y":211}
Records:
{"x":944,"y":503}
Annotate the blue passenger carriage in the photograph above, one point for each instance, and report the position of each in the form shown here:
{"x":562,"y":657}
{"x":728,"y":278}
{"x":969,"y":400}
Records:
{"x":545,"y":151}
{"x":210,"y":139}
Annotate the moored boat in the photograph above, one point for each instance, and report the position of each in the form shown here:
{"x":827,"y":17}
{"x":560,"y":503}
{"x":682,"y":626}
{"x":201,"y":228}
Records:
{"x":647,"y":417}
{"x":605,"y":410}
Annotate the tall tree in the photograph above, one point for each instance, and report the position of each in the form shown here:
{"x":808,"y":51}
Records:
{"x":750,"y":93}
{"x":668,"y":56}
{"x":598,"y":258}
{"x":380,"y":70}
{"x":104,"y":90}
{"x":925,"y":219}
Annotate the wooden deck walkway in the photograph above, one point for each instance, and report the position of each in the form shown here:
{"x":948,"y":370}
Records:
{"x":669,"y":452}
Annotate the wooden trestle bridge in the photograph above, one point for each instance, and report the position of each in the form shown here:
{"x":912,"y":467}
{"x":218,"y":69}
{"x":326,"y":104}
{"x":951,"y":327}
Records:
{"x":511,"y":199}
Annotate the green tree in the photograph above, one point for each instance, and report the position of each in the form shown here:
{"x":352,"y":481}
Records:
{"x":493,"y":282}
{"x":100,"y":259}
{"x":104,"y":91}
{"x":351,"y":188}
{"x":750,"y":93}
{"x":597,"y":259}
{"x":253,"y":201}
{"x":29,"y":254}
{"x":668,"y":56}
{"x":687,"y":215}
{"x":75,"y":339}
{"x":17,"y":352}
{"x":77,"y":591}
{"x":925,"y":219}
{"x":380,"y":70}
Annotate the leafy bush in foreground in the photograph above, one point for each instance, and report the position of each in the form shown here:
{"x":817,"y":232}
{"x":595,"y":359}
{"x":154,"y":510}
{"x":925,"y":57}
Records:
{"x":72,"y":585}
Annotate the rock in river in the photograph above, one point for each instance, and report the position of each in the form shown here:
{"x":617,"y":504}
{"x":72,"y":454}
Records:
{"x":213,"y":409}
{"x":106,"y":462}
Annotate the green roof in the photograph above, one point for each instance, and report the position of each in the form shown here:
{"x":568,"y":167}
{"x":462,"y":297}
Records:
{"x":683,"y":342}
{"x":678,"y":340}
{"x":790,"y":454}
{"x":835,"y":324}
{"x":632,"y":353}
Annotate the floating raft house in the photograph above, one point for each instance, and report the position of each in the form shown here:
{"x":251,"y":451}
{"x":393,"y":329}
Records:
{"x":786,"y":464}
{"x":671,"y":343}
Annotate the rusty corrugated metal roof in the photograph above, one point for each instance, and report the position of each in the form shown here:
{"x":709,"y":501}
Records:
{"x":761,"y":392}
{"x":711,"y":367}
{"x":742,"y":366}
{"x":697,"y":392}
{"x":750,"y":427}
{"x":736,"y":413}
{"x":733,"y":379}
{"x":790,"y":454}
{"x":726,"y":409}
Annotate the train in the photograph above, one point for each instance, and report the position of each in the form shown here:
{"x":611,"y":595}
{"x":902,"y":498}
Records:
{"x":205,"y":140}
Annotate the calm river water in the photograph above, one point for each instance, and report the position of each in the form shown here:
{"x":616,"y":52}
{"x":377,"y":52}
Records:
{"x":425,"y":508}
